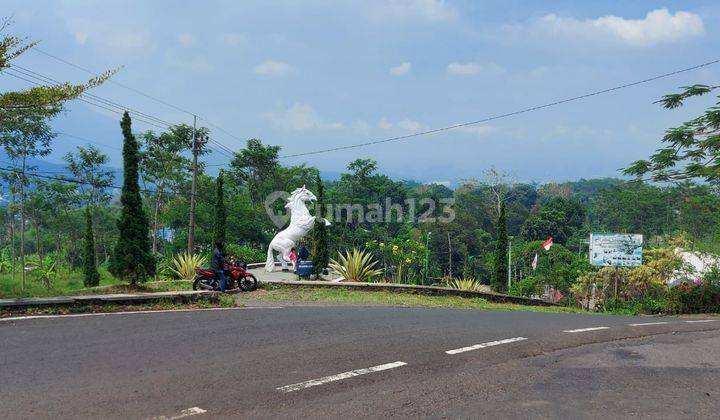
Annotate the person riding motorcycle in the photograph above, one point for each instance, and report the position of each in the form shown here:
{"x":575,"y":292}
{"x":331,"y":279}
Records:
{"x":217,"y":264}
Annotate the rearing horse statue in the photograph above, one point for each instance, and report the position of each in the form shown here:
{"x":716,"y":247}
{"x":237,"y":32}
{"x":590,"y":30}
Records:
{"x":300,"y":224}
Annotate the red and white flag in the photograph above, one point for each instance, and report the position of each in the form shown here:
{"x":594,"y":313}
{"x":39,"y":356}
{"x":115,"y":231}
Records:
{"x":547,"y":244}
{"x":534,"y":262}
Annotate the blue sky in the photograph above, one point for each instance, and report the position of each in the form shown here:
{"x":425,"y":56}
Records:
{"x":308,"y":75}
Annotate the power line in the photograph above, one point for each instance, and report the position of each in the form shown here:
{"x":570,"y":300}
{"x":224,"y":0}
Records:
{"x":497,"y":117}
{"x":81,"y":182}
{"x":141,"y":93}
{"x":108,"y":104}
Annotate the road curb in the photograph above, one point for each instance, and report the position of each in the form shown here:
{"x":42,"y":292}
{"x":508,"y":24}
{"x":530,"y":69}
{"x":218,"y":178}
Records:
{"x":416,"y":289}
{"x":110,"y":299}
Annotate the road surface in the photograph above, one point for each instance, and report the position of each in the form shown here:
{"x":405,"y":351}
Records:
{"x":339,"y":361}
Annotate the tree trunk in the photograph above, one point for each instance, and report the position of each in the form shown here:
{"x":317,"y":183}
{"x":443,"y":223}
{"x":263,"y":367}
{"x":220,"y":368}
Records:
{"x":12,"y":237}
{"x":22,"y":225}
{"x":37,"y":242}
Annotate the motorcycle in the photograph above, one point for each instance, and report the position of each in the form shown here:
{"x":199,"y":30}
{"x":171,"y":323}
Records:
{"x":236,"y":275}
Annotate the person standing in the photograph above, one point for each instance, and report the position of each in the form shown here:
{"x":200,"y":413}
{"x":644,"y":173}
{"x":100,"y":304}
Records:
{"x":218,"y":262}
{"x":293,"y":258}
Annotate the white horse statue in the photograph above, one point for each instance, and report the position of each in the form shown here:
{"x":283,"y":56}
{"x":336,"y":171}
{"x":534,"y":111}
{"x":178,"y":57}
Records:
{"x":300,"y":224}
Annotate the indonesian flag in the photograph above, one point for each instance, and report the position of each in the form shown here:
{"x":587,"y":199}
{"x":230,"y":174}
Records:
{"x":534,"y":262}
{"x":547,"y":244}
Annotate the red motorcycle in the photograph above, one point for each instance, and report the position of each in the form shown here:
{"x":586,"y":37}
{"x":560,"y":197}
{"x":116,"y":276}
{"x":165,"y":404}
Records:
{"x":236,"y":275}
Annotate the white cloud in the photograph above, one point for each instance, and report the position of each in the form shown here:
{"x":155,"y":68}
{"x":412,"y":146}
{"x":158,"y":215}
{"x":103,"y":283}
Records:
{"x":470,"y":69}
{"x":479,"y":130}
{"x":81,"y":37}
{"x":129,"y":40}
{"x":406,"y":124}
{"x":410,"y":126}
{"x":302,"y":117}
{"x":385,"y":124}
{"x":273,"y":68}
{"x":657,"y":27}
{"x":186,"y":40}
{"x":401,"y":69}
{"x":233,"y":39}
{"x":428,"y":10}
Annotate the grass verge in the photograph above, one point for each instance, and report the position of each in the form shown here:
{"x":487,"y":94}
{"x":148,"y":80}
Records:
{"x":226,"y":301}
{"x":279,"y":293}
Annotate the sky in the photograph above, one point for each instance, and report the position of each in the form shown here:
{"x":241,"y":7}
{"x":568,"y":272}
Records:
{"x":311,"y":75}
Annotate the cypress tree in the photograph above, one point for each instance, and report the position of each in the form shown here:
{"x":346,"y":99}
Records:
{"x":220,"y":215}
{"x":132,"y":259}
{"x":92,"y":277}
{"x":320,"y":250}
{"x":499,"y":283}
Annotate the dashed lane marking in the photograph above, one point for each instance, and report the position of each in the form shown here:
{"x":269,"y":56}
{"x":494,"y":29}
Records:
{"x":484,"y":345}
{"x":192,"y":411}
{"x":701,"y":320}
{"x":642,"y":324}
{"x":22,"y":318}
{"x":586,"y":329}
{"x":339,"y":377}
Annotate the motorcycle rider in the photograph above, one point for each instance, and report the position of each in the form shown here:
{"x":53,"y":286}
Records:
{"x":218,"y":262}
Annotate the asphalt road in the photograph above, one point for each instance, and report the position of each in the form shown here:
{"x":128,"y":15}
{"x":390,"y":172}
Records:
{"x":355,"y":362}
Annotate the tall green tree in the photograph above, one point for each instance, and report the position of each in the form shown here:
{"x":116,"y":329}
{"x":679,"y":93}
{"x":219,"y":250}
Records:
{"x":320,"y":248}
{"x":220,"y":213}
{"x":91,"y":274}
{"x":132,"y":258}
{"x":165,"y":169}
{"x":25,"y":137}
{"x":255,"y":167}
{"x":692,"y":150}
{"x":499,"y":283}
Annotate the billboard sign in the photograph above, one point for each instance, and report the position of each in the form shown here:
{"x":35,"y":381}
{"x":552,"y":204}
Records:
{"x":615,"y":249}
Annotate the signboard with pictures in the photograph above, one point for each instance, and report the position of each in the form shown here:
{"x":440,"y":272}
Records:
{"x":616,"y":249}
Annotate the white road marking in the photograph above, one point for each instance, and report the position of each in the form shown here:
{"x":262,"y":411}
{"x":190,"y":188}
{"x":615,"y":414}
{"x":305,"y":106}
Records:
{"x":586,"y":329}
{"x":192,"y":411}
{"x":702,"y":320}
{"x":21,"y":318}
{"x":483,"y":345}
{"x":339,"y":377}
{"x":647,"y":323}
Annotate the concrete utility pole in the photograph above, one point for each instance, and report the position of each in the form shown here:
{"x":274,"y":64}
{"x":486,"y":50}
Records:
{"x":196,"y":150}
{"x":427,"y":258}
{"x":509,"y":261}
{"x":450,"y":270}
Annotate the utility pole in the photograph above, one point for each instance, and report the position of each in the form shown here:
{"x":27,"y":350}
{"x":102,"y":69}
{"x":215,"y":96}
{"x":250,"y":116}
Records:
{"x":196,"y":144}
{"x":427,"y":258}
{"x":450,"y":271}
{"x":509,"y":262}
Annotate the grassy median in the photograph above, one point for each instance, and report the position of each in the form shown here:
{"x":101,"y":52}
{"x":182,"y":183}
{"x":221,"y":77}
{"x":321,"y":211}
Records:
{"x":277,"y":293}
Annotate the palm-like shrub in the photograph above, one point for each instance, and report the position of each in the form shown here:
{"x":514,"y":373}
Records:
{"x":356,"y":265}
{"x":467,"y":284}
{"x":183,"y":265}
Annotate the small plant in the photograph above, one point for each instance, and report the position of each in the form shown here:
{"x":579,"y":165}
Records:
{"x":183,"y":265}
{"x":47,"y":274}
{"x":466,"y":284}
{"x":356,"y":265}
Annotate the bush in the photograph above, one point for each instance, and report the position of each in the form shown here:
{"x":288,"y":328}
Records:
{"x":184,"y":265}
{"x":467,"y":284}
{"x":356,"y":265}
{"x":694,"y":297}
{"x":245,"y":253}
{"x":525,"y":287}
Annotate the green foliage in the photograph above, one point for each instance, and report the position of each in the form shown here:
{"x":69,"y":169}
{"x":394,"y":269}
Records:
{"x":402,"y":258}
{"x":245,"y":253}
{"x":132,"y":258}
{"x":691,"y":149}
{"x":466,"y":284}
{"x":92,"y":276}
{"x":220,"y":216}
{"x":183,"y":265}
{"x":499,"y":280}
{"x":356,"y":265}
{"x":320,"y":253}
